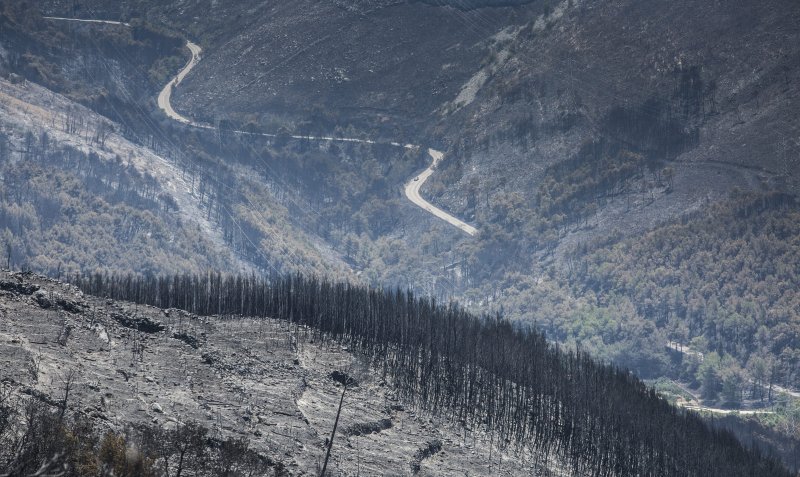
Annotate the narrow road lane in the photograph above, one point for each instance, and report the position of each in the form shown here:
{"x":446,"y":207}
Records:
{"x":411,"y":189}
{"x":165,"y":96}
{"x":412,"y":192}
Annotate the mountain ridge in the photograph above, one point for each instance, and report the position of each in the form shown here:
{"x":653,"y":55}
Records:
{"x":572,"y":130}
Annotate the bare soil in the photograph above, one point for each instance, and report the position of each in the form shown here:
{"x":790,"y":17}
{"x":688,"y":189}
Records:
{"x":240,"y":377}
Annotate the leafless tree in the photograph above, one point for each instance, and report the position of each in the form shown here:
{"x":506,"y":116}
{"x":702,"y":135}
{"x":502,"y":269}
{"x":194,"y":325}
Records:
{"x":67,"y":385}
{"x":101,"y":133}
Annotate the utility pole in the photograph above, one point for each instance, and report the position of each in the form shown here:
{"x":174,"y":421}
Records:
{"x":333,"y":433}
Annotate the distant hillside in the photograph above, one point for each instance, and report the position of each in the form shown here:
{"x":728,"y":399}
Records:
{"x":93,"y":181}
{"x":80,"y":197}
{"x":613,"y":125}
{"x":612,"y":155}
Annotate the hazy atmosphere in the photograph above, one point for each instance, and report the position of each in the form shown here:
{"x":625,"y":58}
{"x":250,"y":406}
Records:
{"x":399,"y":237}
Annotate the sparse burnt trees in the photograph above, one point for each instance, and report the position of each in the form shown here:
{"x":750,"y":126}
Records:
{"x":485,"y":373}
{"x":176,"y":449}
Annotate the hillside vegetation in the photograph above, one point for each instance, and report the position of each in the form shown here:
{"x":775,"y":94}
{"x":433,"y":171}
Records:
{"x":182,"y":207}
{"x":64,"y":211}
{"x":723,"y":283}
{"x":632,"y":168}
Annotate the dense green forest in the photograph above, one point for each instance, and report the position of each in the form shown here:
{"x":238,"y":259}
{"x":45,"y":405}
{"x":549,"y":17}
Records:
{"x":722,"y":281}
{"x":526,"y":392}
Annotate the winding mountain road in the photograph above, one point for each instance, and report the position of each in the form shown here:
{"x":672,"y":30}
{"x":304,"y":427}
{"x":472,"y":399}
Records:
{"x":714,"y":410}
{"x":411,"y":188}
{"x":165,"y":96}
{"x":412,"y":192}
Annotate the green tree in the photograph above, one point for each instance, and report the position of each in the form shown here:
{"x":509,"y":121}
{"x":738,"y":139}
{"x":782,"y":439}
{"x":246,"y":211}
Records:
{"x":733,"y":380}
{"x":708,"y":374}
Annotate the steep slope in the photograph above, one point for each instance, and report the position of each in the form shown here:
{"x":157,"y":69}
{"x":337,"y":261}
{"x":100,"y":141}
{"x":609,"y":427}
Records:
{"x":272,"y":384}
{"x":76,"y":190}
{"x":570,"y":130}
{"x":377,"y":66}
{"x":381,"y":65}
{"x":690,"y":83}
{"x":261,"y":380}
{"x":107,"y":203}
{"x":178,"y":181}
{"x":110,"y":68}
